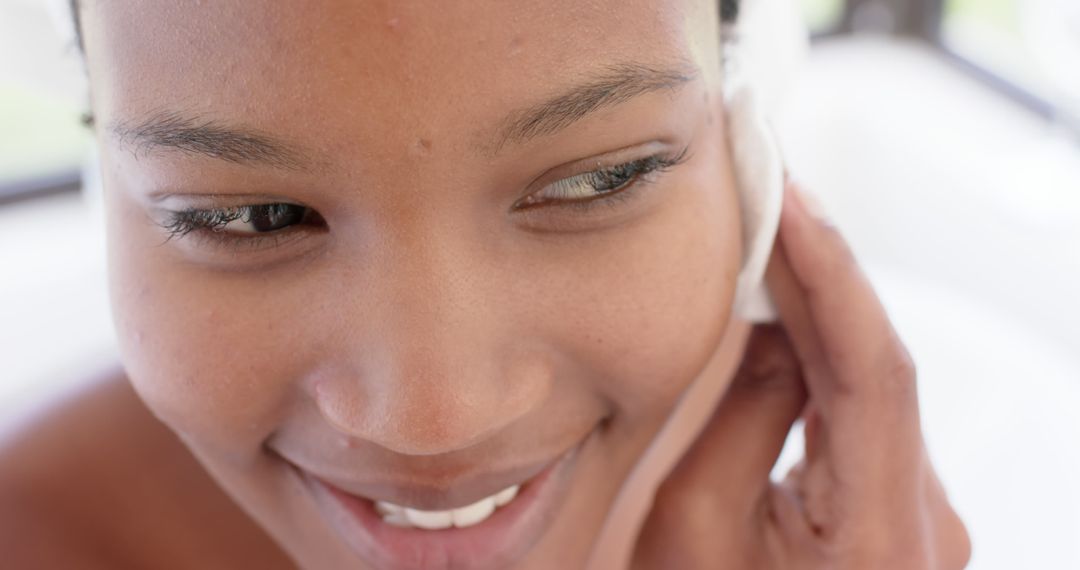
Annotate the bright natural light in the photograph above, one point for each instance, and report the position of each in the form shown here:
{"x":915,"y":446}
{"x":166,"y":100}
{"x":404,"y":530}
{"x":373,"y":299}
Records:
{"x":1035,"y":43}
{"x":42,"y":98}
{"x":946,"y":148}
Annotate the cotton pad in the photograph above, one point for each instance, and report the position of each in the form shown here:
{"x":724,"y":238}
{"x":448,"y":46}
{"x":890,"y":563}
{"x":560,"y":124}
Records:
{"x":762,"y":52}
{"x":759,"y":172}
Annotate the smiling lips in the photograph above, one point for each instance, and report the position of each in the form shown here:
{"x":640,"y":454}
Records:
{"x":485,"y":521}
{"x":430,"y":502}
{"x":466,"y":516}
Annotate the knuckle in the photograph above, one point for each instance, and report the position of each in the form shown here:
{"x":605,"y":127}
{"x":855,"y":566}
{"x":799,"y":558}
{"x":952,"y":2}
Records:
{"x":956,"y":540}
{"x":900,"y":371}
{"x":964,"y":548}
{"x":841,"y":259}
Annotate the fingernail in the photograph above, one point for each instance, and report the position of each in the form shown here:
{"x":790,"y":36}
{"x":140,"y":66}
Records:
{"x":810,"y":202}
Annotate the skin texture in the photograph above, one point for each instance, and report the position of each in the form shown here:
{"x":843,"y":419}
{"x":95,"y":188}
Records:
{"x":425,"y":331}
{"x":865,"y":494}
{"x":429,"y":333}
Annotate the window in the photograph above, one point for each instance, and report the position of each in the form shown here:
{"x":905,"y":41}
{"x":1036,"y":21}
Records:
{"x":1026,"y":49}
{"x":822,"y":16}
{"x":42,"y":94}
{"x":1033,"y":45}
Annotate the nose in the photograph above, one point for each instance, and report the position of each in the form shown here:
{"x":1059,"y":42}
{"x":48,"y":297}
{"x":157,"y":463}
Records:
{"x":435,"y":360}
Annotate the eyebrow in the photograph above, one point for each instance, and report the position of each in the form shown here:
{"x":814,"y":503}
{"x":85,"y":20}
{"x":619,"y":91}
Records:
{"x":200,"y":136}
{"x":193,"y":134}
{"x":615,"y":84}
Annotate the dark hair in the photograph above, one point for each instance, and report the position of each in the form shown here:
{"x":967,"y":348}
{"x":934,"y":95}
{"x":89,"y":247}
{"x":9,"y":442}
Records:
{"x":78,"y":24}
{"x":729,"y":12}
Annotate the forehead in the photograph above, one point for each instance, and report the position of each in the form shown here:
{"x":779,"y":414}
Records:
{"x":382,"y":64}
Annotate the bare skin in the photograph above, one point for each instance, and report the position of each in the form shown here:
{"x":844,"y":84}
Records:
{"x":440,"y":306}
{"x":831,"y":511}
{"x":141,"y":501}
{"x":865,"y":494}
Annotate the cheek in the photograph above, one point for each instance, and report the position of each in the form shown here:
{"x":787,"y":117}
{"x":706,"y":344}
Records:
{"x":646,"y":308}
{"x":640,"y":310}
{"x":207,"y":355}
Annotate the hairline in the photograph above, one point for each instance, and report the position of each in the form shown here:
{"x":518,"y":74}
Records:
{"x":729,"y":12}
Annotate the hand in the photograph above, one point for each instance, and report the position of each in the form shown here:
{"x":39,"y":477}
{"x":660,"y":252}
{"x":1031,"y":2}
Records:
{"x":865,"y":496}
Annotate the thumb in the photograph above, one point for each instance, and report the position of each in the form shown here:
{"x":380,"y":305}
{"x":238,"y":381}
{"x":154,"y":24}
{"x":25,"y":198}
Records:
{"x":736,"y":450}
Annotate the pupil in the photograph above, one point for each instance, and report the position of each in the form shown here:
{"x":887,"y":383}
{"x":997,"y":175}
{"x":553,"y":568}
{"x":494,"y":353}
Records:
{"x":613,"y":180}
{"x":275,"y":216}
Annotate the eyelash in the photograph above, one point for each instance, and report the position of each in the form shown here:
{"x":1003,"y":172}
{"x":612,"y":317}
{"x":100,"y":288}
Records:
{"x":215,"y":220}
{"x":613,"y":185}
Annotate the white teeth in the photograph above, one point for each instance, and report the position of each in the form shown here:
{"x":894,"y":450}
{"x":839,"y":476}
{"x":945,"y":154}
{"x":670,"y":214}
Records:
{"x":397,"y":519}
{"x":385,"y":508}
{"x":431,"y":520}
{"x":470,"y":515}
{"x":475,"y":513}
{"x":506,"y":495}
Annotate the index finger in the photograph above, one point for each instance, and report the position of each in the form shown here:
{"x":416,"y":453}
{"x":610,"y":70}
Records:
{"x":856,"y":367}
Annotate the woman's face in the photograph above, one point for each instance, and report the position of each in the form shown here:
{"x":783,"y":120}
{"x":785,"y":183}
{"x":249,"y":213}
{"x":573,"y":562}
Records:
{"x":417,"y":252}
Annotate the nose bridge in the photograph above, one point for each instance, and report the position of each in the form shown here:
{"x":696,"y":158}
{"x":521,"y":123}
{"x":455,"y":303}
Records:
{"x":438,"y":374}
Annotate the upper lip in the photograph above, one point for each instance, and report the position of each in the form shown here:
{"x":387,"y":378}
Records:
{"x":440,"y":493}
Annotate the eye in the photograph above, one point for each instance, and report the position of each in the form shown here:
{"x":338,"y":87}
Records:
{"x":599,"y":184}
{"x":242,"y":221}
{"x":266,"y":218}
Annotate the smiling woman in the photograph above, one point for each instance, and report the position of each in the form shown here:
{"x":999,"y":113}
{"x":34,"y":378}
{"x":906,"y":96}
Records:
{"x":422,"y":285}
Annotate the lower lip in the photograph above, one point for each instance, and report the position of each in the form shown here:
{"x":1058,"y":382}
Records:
{"x":497,"y":542}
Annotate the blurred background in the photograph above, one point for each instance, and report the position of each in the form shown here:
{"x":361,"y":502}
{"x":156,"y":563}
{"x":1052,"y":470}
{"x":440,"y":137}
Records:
{"x":942,"y":135}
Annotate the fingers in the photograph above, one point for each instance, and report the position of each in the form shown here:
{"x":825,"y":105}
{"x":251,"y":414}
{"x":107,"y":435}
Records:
{"x":862,"y":490}
{"x":787,"y":514}
{"x":739,"y":445}
{"x":790,"y":300}
{"x":951,"y":539}
{"x":854,"y":331}
{"x":857,"y":369}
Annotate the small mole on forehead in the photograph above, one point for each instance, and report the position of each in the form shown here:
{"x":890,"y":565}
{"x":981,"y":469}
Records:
{"x":515,"y":46}
{"x":422,"y":146}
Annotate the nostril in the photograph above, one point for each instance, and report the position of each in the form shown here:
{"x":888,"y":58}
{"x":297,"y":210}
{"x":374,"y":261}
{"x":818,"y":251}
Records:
{"x":431,"y":395}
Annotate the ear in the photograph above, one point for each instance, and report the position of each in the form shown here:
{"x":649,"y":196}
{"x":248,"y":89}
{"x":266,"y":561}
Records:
{"x":761,"y":52}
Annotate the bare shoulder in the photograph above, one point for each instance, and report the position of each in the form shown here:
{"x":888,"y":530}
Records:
{"x":95,"y":480}
{"x":45,"y":488}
